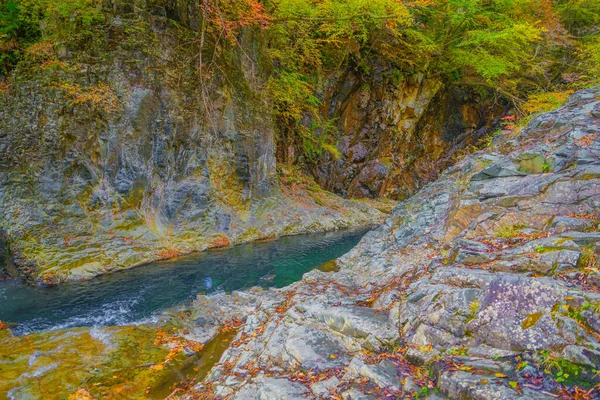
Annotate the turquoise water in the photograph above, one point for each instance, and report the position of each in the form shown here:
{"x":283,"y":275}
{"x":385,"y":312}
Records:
{"x":137,"y":294}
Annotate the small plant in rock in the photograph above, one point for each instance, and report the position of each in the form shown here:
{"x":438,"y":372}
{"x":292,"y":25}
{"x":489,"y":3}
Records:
{"x":550,"y":362}
{"x":588,"y":259}
{"x":577,"y":313}
{"x":100,"y":97}
{"x":488,"y":141}
{"x":560,"y":376}
{"x":461,"y":351}
{"x":593,"y":227}
{"x":423,"y":393}
{"x":521,"y":365}
{"x":507,"y":231}
{"x":473,"y":308}
{"x":545,"y":168}
{"x":539,"y":249}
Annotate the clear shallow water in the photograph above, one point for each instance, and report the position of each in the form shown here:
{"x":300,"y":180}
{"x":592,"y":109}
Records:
{"x":137,"y":294}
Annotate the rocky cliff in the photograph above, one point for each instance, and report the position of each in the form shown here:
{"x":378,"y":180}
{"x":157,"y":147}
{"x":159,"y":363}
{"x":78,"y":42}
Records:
{"x":117,"y":148}
{"x":395,"y":133}
{"x":483,"y":285}
{"x":116,"y":153}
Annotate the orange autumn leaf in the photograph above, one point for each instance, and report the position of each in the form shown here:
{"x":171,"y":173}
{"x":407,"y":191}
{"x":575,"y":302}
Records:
{"x":157,"y":367}
{"x":81,"y":394}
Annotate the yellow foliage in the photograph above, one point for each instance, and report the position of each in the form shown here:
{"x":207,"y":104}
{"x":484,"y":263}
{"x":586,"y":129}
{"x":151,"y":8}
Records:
{"x":543,"y":102}
{"x":157,"y":367}
{"x":54,"y":64}
{"x":332,"y":149}
{"x":7,"y":45}
{"x":81,"y":394}
{"x":99,"y":97}
{"x":41,"y":51}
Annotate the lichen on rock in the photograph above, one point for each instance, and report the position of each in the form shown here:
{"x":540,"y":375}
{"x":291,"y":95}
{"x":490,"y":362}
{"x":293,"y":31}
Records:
{"x":461,"y":293}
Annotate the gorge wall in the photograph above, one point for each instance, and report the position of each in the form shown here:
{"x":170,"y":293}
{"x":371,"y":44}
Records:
{"x":117,"y":153}
{"x":485,"y":284}
{"x":395,"y":132}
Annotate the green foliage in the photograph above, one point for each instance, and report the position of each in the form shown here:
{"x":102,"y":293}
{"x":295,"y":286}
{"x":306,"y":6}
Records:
{"x":342,"y":22}
{"x":588,"y":55}
{"x":63,"y":19}
{"x":492,"y":54}
{"x":16,"y":32}
{"x":294,"y":100}
{"x":313,"y":37}
{"x":292,"y":94}
{"x":578,"y":15}
{"x":9,"y":19}
{"x":508,"y":46}
{"x":483,"y":42}
{"x":24,"y":23}
{"x":310,"y":38}
{"x":519,"y":49}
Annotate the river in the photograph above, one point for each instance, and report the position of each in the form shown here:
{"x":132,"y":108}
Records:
{"x":137,"y":295}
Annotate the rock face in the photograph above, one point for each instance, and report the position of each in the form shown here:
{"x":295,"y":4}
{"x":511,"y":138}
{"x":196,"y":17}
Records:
{"x":395,"y":134}
{"x":110,"y":161}
{"x":121,"y":151}
{"x":481,"y":286}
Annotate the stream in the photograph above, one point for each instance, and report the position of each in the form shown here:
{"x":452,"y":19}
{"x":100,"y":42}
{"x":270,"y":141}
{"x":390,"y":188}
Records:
{"x":138,"y":294}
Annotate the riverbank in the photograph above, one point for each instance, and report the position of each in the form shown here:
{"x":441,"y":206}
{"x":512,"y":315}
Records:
{"x":118,"y":240}
{"x":483,"y":285}
{"x":137,"y":295}
{"x":145,"y":356}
